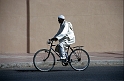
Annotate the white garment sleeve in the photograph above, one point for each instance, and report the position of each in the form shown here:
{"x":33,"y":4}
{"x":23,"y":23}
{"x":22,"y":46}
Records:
{"x":62,"y":31}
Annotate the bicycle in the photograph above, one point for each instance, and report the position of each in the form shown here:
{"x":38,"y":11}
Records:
{"x":44,"y":59}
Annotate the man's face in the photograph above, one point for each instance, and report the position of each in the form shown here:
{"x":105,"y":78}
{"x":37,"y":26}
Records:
{"x":60,"y":20}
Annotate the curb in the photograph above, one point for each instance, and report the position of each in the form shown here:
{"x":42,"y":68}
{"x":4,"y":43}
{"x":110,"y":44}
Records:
{"x":106,"y":63}
{"x":16,"y":65}
{"x":92,"y":63}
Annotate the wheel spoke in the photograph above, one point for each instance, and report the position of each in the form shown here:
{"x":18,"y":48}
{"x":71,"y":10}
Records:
{"x":43,"y":61}
{"x":79,"y":59}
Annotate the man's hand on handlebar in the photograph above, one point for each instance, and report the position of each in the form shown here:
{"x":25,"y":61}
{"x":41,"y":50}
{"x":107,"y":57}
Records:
{"x":54,"y":39}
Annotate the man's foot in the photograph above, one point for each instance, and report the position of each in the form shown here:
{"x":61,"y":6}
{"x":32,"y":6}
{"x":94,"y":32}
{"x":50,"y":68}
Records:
{"x":63,"y":59}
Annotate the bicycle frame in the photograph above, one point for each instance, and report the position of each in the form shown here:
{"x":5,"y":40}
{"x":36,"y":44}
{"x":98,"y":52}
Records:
{"x":74,"y":56}
{"x":51,"y":49}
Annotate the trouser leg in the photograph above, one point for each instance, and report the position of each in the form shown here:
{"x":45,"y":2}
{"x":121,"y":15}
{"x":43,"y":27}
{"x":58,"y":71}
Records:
{"x":62,"y":50}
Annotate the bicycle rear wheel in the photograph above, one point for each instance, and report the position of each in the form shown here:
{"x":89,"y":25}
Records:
{"x":79,"y":59}
{"x":43,"y":60}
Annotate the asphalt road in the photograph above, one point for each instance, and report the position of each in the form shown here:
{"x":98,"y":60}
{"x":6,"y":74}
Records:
{"x":96,"y":73}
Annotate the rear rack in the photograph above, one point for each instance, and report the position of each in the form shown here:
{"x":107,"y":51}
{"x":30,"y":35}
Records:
{"x":78,"y":47}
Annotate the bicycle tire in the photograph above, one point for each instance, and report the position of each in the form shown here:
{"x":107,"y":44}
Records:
{"x":43,"y":61}
{"x":79,"y":60}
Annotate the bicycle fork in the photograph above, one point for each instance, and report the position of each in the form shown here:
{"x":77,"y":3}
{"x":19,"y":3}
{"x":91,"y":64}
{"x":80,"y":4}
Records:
{"x":47,"y":56}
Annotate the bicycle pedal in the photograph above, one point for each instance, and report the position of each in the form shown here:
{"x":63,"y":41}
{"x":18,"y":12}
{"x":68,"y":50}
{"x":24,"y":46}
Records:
{"x":65,"y":64}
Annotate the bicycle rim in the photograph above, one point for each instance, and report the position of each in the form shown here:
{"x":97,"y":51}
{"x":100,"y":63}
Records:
{"x":44,"y":61}
{"x":79,"y":60}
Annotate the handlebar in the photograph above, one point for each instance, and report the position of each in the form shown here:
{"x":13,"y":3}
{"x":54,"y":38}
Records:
{"x":50,"y":42}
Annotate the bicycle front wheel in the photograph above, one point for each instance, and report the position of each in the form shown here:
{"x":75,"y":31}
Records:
{"x":79,"y":59}
{"x":43,"y":60}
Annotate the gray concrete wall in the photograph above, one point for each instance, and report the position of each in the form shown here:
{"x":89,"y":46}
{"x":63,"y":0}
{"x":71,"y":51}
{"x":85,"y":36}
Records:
{"x":98,"y":24}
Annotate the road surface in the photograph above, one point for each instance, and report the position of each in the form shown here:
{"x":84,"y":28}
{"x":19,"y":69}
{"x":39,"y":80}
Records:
{"x":94,"y":73}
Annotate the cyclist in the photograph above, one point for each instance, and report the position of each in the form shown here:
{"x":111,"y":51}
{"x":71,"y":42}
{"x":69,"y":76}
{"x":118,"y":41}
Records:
{"x":65,"y":36}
